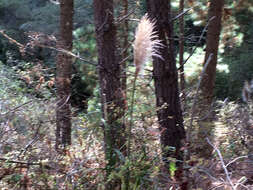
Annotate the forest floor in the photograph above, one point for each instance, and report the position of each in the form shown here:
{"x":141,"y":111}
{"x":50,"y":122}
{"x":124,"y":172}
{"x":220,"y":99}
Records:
{"x":27,"y":135}
{"x":229,"y":167}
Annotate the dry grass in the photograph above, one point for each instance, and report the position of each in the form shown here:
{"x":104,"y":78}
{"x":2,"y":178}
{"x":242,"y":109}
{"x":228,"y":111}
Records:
{"x":146,"y":42}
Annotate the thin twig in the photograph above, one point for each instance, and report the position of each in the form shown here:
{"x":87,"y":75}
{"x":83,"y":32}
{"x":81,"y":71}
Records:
{"x":68,"y":53}
{"x":49,"y":47}
{"x":125,"y":59}
{"x":241,"y":182}
{"x":222,"y":163}
{"x":236,"y":160}
{"x":125,"y":17}
{"x":207,"y":173}
{"x":35,"y":138}
{"x":65,"y":102}
{"x":19,"y":162}
{"x":16,"y":108}
{"x":199,"y":41}
{"x":12,"y":40}
{"x":196,"y":97}
{"x":181,"y":14}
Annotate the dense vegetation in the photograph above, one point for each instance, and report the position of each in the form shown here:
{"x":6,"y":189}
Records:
{"x":29,"y":33}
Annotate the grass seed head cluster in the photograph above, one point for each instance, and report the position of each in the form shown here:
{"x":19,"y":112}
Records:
{"x":146,"y":43}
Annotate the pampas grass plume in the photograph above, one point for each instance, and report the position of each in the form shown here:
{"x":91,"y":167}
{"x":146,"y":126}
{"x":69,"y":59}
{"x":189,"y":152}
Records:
{"x":146,"y":43}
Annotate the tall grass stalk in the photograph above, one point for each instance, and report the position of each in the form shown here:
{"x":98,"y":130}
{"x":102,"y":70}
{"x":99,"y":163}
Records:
{"x":146,"y":45}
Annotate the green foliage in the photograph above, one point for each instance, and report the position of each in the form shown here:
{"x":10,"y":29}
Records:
{"x":141,"y":171}
{"x":241,"y":69}
{"x":235,"y":120}
{"x":239,"y":60}
{"x":28,"y":119}
{"x":94,"y":113}
{"x":38,"y":15}
{"x":43,"y":16}
{"x":221,"y":89}
{"x":173,"y":168}
{"x":27,"y":130}
{"x":84,"y":78}
{"x":238,"y":55}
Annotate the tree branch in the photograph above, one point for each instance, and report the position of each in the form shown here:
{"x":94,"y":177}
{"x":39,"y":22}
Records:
{"x":20,"y":162}
{"x":14,"y":109}
{"x":222,"y":163}
{"x":200,"y":38}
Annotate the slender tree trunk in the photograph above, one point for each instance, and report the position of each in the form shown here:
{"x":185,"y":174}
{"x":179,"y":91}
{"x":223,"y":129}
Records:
{"x":110,"y":83}
{"x":213,"y":36}
{"x":181,"y":53}
{"x":206,"y":126}
{"x":122,"y":38}
{"x":63,"y":75}
{"x":124,"y":45}
{"x":166,"y":83}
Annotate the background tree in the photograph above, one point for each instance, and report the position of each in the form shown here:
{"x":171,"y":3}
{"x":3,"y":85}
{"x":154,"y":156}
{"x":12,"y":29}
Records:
{"x":27,"y":96}
{"x":166,"y":82}
{"x":208,"y":80}
{"x":181,"y":53}
{"x":124,"y":30}
{"x":63,"y":75}
{"x":109,"y":79}
{"x":212,"y":44}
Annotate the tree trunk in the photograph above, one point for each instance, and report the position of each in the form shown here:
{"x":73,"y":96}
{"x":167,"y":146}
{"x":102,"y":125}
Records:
{"x":206,"y":126}
{"x":110,"y":83}
{"x":166,"y":83}
{"x":122,"y":39}
{"x":213,"y":35}
{"x":181,"y":54}
{"x":63,"y":75}
{"x":125,"y":45}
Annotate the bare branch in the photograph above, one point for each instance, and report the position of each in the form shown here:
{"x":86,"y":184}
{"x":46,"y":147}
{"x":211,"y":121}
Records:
{"x":19,"y":162}
{"x":200,"y":38}
{"x":196,"y":97}
{"x":181,"y":14}
{"x":222,"y":163}
{"x":236,"y":160}
{"x":21,"y":46}
{"x":16,"y":108}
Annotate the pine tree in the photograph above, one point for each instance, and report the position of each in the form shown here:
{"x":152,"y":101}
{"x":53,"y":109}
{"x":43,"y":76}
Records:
{"x":63,"y":76}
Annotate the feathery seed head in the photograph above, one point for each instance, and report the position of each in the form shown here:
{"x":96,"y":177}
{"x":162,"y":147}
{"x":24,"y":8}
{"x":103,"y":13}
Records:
{"x":146,"y":43}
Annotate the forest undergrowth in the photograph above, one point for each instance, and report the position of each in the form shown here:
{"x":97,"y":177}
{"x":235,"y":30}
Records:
{"x":28,"y":159}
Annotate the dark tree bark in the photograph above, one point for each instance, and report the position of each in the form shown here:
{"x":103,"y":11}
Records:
{"x":125,"y":45}
{"x":213,"y":36}
{"x":63,"y":75}
{"x":166,"y":82}
{"x":206,"y":114}
{"x":181,"y":54}
{"x":110,"y":83}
